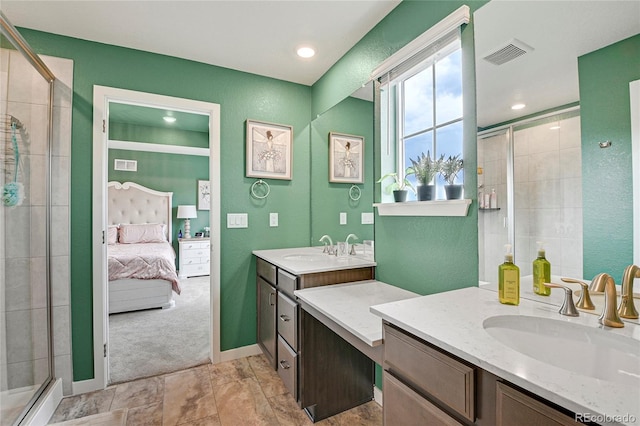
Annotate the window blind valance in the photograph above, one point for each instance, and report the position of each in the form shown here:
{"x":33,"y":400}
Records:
{"x":424,"y":46}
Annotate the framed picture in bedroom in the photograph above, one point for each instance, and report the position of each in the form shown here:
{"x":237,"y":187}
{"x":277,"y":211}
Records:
{"x":346,"y":158}
{"x":269,"y":150}
{"x":204,"y":195}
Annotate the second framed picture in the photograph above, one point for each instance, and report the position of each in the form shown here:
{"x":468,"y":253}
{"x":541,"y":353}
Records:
{"x":269,"y":150}
{"x":346,"y":158}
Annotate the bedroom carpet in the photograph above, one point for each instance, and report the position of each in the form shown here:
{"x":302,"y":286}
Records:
{"x":158,"y":341}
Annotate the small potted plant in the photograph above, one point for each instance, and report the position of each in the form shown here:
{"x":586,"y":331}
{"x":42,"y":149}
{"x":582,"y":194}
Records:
{"x":425,"y":169}
{"x":398,"y":186}
{"x":449,"y":171}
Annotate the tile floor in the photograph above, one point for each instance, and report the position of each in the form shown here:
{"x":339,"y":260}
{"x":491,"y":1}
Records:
{"x":246,"y":391}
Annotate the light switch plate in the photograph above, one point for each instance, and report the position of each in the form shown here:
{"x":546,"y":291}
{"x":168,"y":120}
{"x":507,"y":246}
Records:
{"x":343,"y":218}
{"x":273,"y":220}
{"x":237,"y":220}
{"x":366,"y":218}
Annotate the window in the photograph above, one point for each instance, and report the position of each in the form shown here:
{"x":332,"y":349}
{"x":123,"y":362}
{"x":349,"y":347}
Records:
{"x":424,"y":107}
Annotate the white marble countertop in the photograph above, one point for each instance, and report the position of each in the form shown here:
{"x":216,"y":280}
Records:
{"x":348,"y":305}
{"x":309,"y":260}
{"x":453,"y":321}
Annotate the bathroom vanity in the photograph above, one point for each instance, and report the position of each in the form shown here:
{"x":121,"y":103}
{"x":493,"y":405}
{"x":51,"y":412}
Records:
{"x":460,"y":357}
{"x":294,"y":341}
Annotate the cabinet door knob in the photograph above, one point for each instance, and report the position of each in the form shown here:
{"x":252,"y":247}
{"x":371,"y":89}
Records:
{"x":284,"y":364}
{"x":284,"y":318}
{"x":270,"y":302}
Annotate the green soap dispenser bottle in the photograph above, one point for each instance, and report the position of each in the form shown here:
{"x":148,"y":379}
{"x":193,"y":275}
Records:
{"x":509,"y":279}
{"x":541,"y":273}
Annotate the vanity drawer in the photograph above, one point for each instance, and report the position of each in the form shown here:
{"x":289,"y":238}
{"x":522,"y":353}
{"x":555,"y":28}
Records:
{"x":288,"y":367}
{"x":288,"y":320}
{"x":430,"y":372}
{"x":402,"y":406}
{"x":266,"y":270}
{"x":287,"y":282}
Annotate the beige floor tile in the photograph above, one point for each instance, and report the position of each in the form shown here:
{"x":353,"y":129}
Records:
{"x":149,"y":415}
{"x":363,"y":415}
{"x":139,"y":393}
{"x":229,"y":371}
{"x":84,"y":405}
{"x":208,"y":421}
{"x":288,"y":412}
{"x":111,"y":418}
{"x":243,"y":403}
{"x":188,"y":396}
{"x":268,"y":378}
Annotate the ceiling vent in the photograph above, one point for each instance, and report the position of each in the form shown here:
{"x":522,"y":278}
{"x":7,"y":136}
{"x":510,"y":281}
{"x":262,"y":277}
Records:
{"x":508,"y":52}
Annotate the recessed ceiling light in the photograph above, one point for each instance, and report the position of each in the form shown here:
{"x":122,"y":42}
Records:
{"x":169,"y":119}
{"x":554,"y":127}
{"x":518,"y":106}
{"x":306,"y":52}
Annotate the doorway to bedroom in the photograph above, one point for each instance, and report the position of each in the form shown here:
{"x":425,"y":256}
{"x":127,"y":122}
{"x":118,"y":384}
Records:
{"x":159,"y":283}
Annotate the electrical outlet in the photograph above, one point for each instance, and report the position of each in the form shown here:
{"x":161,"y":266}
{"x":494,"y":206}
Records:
{"x":273,"y":220}
{"x":343,"y":218}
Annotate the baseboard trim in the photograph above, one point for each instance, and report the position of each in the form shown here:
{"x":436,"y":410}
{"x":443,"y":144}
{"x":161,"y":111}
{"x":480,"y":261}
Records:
{"x":85,"y":386}
{"x":46,"y":405}
{"x":377,"y":395}
{"x":241,"y":352}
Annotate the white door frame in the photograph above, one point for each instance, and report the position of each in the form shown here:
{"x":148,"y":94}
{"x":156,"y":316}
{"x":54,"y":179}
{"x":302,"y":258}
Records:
{"x":101,"y":97}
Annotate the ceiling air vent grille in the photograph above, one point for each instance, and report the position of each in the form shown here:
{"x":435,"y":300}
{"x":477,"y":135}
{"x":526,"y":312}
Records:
{"x":508,"y":52}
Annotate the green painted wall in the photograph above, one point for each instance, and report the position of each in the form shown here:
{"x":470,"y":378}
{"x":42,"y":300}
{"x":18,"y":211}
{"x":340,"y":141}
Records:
{"x":241,"y":96}
{"x":157,"y":135}
{"x":606,"y":173}
{"x":354,"y":117}
{"x":167,"y":172}
{"x":422,"y":254}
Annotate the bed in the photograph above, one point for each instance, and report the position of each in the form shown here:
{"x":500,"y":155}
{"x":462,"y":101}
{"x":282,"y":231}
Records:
{"x":141,"y":260}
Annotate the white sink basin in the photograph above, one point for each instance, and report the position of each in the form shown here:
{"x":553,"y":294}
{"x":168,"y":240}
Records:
{"x":589,"y":351}
{"x":306,"y":257}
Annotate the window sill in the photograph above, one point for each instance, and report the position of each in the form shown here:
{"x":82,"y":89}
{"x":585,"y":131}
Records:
{"x":425,"y":208}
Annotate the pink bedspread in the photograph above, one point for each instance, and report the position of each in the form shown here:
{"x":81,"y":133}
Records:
{"x":143,"y":261}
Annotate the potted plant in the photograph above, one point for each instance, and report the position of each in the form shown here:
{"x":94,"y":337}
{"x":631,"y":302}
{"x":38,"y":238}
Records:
{"x":398,"y":186}
{"x":449,"y":171}
{"x":425,"y":169}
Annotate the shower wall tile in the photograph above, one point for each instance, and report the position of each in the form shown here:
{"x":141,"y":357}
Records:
{"x":39,"y":333}
{"x":32,"y":138}
{"x":571,"y":163}
{"x":17,"y":241}
{"x":61,"y":144}
{"x":60,"y":276}
{"x":570,"y":136}
{"x":4,"y":74}
{"x":541,"y":139}
{"x":572,"y":192}
{"x":62,"y":369}
{"x":19,"y":336}
{"x":60,"y":181}
{"x":17,"y":288}
{"x":61,"y":331}
{"x":38,"y":281}
{"x":59,"y":231}
{"x":37,"y":231}
{"x":25,"y":84}
{"x":544,"y":165}
{"x":20,"y":374}
{"x":36,"y":194}
{"x":63,"y":70}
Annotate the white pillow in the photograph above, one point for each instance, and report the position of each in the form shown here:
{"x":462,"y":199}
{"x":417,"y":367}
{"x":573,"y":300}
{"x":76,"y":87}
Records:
{"x":142,"y":233}
{"x":112,"y":234}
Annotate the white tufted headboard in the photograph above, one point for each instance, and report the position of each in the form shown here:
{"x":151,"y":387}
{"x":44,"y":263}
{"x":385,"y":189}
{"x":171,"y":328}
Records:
{"x":132,"y":203}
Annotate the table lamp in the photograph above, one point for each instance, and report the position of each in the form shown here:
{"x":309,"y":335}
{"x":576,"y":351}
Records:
{"x":186,"y":213}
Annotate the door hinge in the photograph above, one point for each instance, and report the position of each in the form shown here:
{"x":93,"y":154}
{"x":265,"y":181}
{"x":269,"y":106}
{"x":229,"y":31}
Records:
{"x":102,"y":237}
{"x":104,"y":126}
{"x":105,"y":350}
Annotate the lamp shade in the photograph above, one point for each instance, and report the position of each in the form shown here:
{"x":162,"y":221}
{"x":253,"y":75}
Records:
{"x":187,"y":212}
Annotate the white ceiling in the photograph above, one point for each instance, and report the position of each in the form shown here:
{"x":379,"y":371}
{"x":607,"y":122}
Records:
{"x":559,"y":32}
{"x":259,"y":37}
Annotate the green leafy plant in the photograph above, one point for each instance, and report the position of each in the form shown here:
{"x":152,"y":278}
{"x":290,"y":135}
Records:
{"x":450,"y":168}
{"x":398,"y":184}
{"x":425,"y":168}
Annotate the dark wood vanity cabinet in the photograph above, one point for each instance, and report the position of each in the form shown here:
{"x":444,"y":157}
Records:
{"x":423,"y":384}
{"x":301,"y":348}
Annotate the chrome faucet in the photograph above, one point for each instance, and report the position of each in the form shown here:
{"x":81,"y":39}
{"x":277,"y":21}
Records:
{"x":627,"y":308}
{"x":568,"y":308}
{"x":609,"y":316}
{"x":352,"y":250}
{"x":327,"y":249}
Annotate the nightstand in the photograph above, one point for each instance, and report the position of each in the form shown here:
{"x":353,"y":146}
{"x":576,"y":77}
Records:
{"x":194,"y":257}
